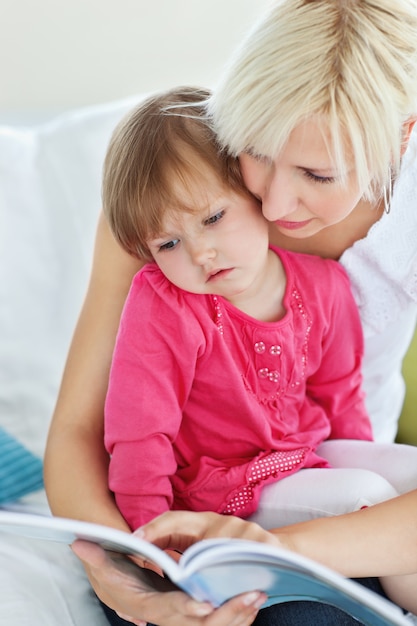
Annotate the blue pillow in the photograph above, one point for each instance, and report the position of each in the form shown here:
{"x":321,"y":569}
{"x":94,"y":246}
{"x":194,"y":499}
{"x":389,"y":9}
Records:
{"x":21,"y":472}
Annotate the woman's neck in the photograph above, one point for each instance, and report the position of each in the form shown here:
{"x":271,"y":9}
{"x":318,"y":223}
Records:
{"x":332,"y":241}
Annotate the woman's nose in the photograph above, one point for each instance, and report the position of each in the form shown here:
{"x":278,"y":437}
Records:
{"x":279,"y":197}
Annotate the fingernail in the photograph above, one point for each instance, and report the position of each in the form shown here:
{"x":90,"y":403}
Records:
{"x":261,"y":601}
{"x":139,"y":532}
{"x":201,"y":610}
{"x":251,"y":598}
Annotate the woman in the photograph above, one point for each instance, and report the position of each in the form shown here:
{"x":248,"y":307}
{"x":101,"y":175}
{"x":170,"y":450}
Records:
{"x":320,"y":103}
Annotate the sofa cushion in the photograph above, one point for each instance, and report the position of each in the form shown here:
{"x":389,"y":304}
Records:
{"x":50,"y":179}
{"x":407,"y":426}
{"x":20,"y":470}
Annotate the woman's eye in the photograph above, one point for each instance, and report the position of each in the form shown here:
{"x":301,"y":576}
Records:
{"x":261,"y":158}
{"x":319,"y":179}
{"x":169,"y":245}
{"x":214,"y":218}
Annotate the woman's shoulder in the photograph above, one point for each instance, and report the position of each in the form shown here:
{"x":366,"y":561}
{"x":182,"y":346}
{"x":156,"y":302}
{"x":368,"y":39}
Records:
{"x":391,"y":240}
{"x":383,"y":265}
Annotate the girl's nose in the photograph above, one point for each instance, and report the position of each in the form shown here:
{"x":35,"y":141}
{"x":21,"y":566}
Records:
{"x":202,"y":251}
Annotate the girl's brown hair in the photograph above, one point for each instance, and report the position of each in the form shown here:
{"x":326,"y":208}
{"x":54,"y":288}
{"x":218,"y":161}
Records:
{"x":164,"y":145}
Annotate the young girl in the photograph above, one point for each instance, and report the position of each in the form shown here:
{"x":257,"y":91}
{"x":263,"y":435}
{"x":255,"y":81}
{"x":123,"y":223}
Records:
{"x":229,"y":370}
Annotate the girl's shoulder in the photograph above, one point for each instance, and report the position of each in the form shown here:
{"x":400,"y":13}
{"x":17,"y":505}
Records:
{"x":315,"y":283}
{"x":150,"y":282}
{"x":152,"y":294}
{"x":311,"y":268}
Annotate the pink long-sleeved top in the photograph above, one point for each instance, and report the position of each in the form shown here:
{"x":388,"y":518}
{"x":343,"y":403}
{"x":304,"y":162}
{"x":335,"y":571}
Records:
{"x":207,"y":405}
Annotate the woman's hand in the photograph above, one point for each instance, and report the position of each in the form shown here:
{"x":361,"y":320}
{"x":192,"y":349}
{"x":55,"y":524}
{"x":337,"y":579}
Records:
{"x":141,"y":596}
{"x":179,"y":529}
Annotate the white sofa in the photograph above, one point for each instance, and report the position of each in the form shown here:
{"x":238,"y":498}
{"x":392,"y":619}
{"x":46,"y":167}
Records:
{"x":50,"y":179}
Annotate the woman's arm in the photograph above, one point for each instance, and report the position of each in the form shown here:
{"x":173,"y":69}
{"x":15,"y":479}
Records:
{"x":75,"y":460}
{"x":378,"y":541}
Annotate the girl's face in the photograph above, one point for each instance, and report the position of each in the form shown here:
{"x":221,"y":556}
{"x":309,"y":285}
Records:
{"x":301,"y":190}
{"x":220,"y":248}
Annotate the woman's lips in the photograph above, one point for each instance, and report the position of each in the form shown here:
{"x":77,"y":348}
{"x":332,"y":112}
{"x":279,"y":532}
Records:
{"x":292,"y":225}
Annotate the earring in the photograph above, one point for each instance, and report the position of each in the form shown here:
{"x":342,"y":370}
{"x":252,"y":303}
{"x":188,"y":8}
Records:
{"x":388,"y":193}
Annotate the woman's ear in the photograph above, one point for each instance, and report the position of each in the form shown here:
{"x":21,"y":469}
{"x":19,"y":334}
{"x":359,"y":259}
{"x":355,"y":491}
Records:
{"x":407,"y":129}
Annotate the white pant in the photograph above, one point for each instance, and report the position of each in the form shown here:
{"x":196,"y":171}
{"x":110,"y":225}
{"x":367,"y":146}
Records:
{"x":363,"y":473}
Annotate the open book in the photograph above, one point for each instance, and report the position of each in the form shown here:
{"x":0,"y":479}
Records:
{"x":217,"y":569}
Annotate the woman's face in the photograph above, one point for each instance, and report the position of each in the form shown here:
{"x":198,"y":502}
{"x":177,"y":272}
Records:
{"x":301,"y":190}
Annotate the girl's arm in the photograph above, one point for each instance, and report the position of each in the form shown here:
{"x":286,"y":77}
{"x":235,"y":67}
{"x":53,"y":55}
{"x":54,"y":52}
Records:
{"x":76,"y":463}
{"x":75,"y":460}
{"x":149,"y":385}
{"x":337,"y":383}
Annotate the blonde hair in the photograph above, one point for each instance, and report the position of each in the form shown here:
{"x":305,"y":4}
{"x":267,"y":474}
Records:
{"x":352,"y":63}
{"x":164,"y":141}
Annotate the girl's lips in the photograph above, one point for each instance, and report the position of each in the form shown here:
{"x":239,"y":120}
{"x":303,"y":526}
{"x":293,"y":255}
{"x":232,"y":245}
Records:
{"x":291,"y":225}
{"x":218,"y":274}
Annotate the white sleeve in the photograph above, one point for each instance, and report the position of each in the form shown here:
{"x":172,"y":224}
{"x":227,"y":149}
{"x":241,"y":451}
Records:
{"x":383,"y":266}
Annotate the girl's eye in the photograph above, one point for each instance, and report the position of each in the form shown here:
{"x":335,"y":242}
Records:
{"x":214,"y":218}
{"x":319,"y":179}
{"x":169,"y":245}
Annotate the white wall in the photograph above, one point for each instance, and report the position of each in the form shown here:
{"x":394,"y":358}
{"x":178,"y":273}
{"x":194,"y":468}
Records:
{"x":57,"y":54}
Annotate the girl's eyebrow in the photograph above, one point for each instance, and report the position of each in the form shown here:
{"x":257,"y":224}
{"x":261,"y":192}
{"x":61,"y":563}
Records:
{"x":159,"y":239}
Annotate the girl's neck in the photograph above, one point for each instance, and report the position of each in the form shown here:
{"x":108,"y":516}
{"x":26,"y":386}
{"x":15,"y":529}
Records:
{"x":265,"y":301}
{"x":332,"y":241}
